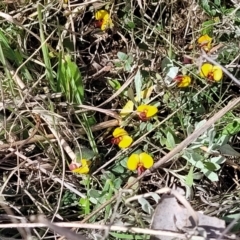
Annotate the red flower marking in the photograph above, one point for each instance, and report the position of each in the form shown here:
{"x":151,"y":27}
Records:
{"x":116,"y":141}
{"x":140,"y":169}
{"x":143,"y":116}
{"x":73,"y":166}
{"x":98,"y":23}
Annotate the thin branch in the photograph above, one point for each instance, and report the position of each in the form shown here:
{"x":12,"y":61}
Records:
{"x":104,"y":227}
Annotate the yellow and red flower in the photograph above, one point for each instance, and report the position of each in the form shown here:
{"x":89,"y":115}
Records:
{"x":82,"y":168}
{"x":211,"y":72}
{"x":121,"y":138}
{"x":104,"y":20}
{"x":139,"y":162}
{"x":146,"y":111}
{"x":183,"y":80}
{"x":205,"y":42}
{"x":129,"y":106}
{"x":127,"y":109}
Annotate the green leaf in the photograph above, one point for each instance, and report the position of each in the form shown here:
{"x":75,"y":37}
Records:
{"x":217,"y":2}
{"x":9,"y":53}
{"x":118,"y":169}
{"x":207,"y":27}
{"x":228,"y":150}
{"x":150,"y":126}
{"x":117,"y":183}
{"x":15,"y":55}
{"x":200,"y":124}
{"x":189,"y":129}
{"x":210,"y":166}
{"x":189,"y":177}
{"x":138,"y":84}
{"x":130,"y":94}
{"x":107,"y":175}
{"x":205,"y":5}
{"x":223,"y":140}
{"x":114,"y":83}
{"x":131,"y":25}
{"x":76,"y":82}
{"x":155,"y":196}
{"x":170,"y":141}
{"x":91,"y":120}
{"x":128,"y":236}
{"x":197,"y":176}
{"x":166,"y":64}
{"x":143,"y":126}
{"x":218,"y":160}
{"x":45,"y":51}
{"x":69,"y":80}
{"x":123,"y":162}
{"x":127,"y":66}
{"x":85,"y":204}
{"x":210,"y":175}
{"x":211,"y":133}
{"x":107,"y":185}
{"x":146,"y":207}
{"x":122,"y":56}
{"x":231,"y":217}
{"x":194,"y":158}
{"x":232,"y":128}
{"x":93,"y":200}
{"x":135,"y":187}
{"x":118,"y":64}
{"x":83,"y":152}
{"x":94,"y":193}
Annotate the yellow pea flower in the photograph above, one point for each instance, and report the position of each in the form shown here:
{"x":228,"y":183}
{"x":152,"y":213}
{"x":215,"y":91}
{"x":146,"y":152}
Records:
{"x":129,"y":106}
{"x":146,"y":111}
{"x":104,"y":19}
{"x":211,"y":72}
{"x":121,"y":138}
{"x":183,"y":81}
{"x":205,"y":42}
{"x":83,"y":169}
{"x":139,"y":162}
{"x":127,"y":109}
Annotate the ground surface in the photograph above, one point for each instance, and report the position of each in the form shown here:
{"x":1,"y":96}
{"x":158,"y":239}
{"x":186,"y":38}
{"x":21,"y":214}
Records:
{"x":64,"y":83}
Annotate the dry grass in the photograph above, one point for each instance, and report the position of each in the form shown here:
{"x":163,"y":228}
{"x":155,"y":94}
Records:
{"x":48,"y":115}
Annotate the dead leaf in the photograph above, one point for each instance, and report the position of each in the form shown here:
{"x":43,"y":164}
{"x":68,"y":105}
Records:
{"x":171,"y":216}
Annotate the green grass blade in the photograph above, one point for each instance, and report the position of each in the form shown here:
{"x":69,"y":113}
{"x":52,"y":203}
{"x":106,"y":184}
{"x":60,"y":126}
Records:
{"x":47,"y":62}
{"x":69,"y":81}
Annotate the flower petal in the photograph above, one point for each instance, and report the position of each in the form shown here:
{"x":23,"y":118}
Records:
{"x":107,"y":22}
{"x":100,"y":14}
{"x":132,"y":162}
{"x":81,"y":170}
{"x":206,"y":69}
{"x":205,"y":42}
{"x":217,"y":73}
{"x":185,"y":81}
{"x":127,"y":109}
{"x":148,"y":109}
{"x":125,"y":142}
{"x":119,"y":132}
{"x":152,"y":111}
{"x":204,"y":38}
{"x":146,"y":160}
{"x":84,"y":169}
{"x":144,"y":94}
